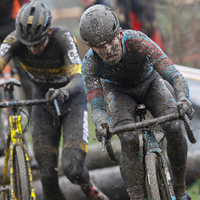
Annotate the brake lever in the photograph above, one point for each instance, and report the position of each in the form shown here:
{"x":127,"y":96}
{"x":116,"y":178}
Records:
{"x":189,"y":129}
{"x":55,"y":102}
{"x":187,"y":124}
{"x":103,"y":143}
{"x":56,"y":118}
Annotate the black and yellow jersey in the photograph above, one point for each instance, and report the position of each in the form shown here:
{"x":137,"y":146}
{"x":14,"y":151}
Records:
{"x":58,"y":65}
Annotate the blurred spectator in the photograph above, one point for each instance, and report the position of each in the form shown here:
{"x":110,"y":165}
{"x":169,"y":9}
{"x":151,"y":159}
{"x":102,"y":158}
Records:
{"x":139,"y":15}
{"x":8,"y":13}
{"x":88,"y":3}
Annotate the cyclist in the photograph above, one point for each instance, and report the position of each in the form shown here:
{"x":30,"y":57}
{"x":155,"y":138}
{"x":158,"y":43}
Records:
{"x":50,"y":58}
{"x":121,"y":69}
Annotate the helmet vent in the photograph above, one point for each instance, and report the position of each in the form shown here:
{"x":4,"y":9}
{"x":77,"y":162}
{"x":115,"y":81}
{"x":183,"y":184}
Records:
{"x":84,"y":39}
{"x":37,"y":29}
{"x":42,"y":5}
{"x":21,"y":27}
{"x":29,"y":28}
{"x":32,"y":11}
{"x":114,"y":26}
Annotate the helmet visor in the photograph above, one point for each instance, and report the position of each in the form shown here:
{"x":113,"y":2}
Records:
{"x":35,"y":42}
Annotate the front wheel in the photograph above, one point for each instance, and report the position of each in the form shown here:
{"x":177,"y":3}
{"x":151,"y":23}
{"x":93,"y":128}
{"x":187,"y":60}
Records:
{"x":156,"y":182}
{"x":21,"y":189}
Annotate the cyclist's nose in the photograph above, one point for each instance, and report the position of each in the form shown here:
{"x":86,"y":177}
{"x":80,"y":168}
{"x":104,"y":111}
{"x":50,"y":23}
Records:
{"x":108,"y":48}
{"x":32,"y":48}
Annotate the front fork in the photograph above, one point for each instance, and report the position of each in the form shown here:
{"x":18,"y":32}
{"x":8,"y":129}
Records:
{"x":150,"y":145}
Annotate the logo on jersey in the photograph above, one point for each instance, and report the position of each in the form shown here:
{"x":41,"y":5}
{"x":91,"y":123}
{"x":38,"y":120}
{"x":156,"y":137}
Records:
{"x":4,"y":49}
{"x":73,"y":56}
{"x":73,"y":53}
{"x":10,"y":39}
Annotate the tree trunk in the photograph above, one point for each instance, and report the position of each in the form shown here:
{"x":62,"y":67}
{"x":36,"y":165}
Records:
{"x":96,"y":159}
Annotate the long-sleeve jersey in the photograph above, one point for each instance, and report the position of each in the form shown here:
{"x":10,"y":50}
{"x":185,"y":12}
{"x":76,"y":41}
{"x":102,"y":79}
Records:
{"x":141,"y":57}
{"x":59,"y":64}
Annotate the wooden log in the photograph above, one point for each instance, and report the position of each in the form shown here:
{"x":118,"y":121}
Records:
{"x":110,"y":182}
{"x":107,"y":180}
{"x":96,"y":159}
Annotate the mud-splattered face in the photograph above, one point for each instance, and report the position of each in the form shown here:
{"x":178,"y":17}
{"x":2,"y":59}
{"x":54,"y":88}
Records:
{"x":38,"y":49}
{"x":111,"y":52}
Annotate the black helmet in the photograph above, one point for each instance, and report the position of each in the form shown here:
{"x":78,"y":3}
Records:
{"x":98,"y":25}
{"x":33,"y":22}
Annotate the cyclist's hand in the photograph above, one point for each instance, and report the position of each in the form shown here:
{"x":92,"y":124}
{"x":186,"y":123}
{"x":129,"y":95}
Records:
{"x":60,"y":94}
{"x":102,"y":131}
{"x":186,"y":108}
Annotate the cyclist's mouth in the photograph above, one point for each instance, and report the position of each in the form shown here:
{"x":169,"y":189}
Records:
{"x":35,"y":52}
{"x":110,"y":58}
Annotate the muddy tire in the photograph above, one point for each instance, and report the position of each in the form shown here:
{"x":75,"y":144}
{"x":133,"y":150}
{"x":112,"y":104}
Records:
{"x":156,"y":183}
{"x":20,"y":175}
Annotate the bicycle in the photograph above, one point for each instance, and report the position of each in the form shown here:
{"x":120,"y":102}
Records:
{"x":158,"y":180}
{"x":21,"y":182}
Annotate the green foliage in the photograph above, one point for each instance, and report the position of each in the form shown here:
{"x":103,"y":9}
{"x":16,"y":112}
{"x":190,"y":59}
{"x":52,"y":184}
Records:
{"x":194,"y":190}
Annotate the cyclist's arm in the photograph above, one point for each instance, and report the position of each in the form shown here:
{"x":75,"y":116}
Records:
{"x":75,"y":85}
{"x":72,"y":61}
{"x":5,"y":52}
{"x":169,"y":72}
{"x":164,"y":66}
{"x":176,"y":79}
{"x":94,"y":93}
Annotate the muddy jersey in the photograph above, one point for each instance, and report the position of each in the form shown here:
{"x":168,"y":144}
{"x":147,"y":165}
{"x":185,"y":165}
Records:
{"x":141,"y":58}
{"x":56,"y":66}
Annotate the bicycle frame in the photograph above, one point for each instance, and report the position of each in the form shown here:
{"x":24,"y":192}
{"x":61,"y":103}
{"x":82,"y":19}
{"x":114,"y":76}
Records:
{"x":15,"y":138}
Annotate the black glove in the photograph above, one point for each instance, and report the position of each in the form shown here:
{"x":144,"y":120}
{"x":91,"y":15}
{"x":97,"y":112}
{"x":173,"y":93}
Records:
{"x":186,"y":108}
{"x":102,"y":131}
{"x":60,"y":94}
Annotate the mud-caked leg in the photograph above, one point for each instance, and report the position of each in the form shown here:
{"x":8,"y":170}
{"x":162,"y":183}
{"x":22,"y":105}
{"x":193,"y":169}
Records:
{"x":131,"y":165}
{"x":121,"y":111}
{"x":46,"y":140}
{"x":75,"y":147}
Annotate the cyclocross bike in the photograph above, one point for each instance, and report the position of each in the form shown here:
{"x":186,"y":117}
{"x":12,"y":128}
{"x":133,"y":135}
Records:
{"x":21,"y":182}
{"x":158,"y":180}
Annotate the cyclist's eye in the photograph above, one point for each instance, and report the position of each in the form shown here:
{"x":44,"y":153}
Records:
{"x":39,"y":44}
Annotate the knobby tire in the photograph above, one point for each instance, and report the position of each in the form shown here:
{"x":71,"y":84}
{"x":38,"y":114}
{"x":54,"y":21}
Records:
{"x":20,"y":175}
{"x":156,"y":183}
